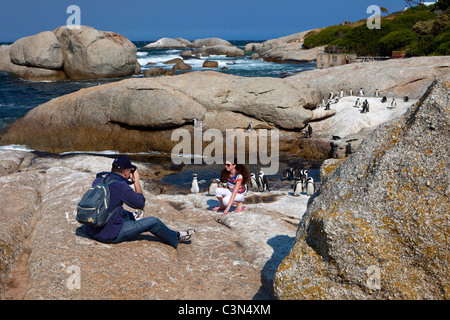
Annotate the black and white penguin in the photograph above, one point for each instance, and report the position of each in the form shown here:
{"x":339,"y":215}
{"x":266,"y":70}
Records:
{"x":310,"y":186}
{"x":288,"y":174}
{"x":384,"y":99}
{"x":298,"y":188}
{"x":351,"y":92}
{"x":213,"y":184}
{"x":331,"y":95}
{"x":361,"y":92}
{"x":194,"y":184}
{"x":357,"y":103}
{"x":406,"y":99}
{"x":253,"y":182}
{"x":262,"y":182}
{"x":310,"y":130}
{"x":393,"y":104}
{"x":341,"y":94}
{"x":249,"y":127}
{"x":377,"y":94}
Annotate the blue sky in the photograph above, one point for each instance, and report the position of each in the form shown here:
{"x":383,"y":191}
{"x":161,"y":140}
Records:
{"x":190,"y":19}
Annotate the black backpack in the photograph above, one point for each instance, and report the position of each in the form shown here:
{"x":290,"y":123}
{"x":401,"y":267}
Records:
{"x":93,"y":208}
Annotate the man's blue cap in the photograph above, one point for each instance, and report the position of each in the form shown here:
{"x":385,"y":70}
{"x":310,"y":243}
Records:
{"x":123,"y":162}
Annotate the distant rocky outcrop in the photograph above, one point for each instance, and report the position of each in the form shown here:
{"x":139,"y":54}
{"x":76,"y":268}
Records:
{"x":378,"y":229}
{"x":229,"y":51}
{"x":287,"y":49}
{"x":70,"y":54}
{"x":198,"y":48}
{"x":166,"y":43}
{"x":210,"y":42}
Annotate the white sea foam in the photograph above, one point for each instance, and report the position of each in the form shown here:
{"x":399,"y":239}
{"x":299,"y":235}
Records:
{"x":16,"y":147}
{"x":156,"y":59}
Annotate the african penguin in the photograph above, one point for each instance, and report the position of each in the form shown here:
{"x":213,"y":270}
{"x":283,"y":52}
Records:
{"x":213,"y":184}
{"x":298,"y":186}
{"x":253,"y":181}
{"x":310,"y":186}
{"x":262,"y":182}
{"x":393,"y":104}
{"x":288,"y":174}
{"x":194,"y":184}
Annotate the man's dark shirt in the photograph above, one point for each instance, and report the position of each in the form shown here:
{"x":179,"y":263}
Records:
{"x":120,"y":193}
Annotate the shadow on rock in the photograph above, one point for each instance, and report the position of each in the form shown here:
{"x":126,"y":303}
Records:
{"x":281,"y":245}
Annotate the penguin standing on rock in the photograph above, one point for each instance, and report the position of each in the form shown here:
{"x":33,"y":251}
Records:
{"x":331,"y":95}
{"x":361,"y":92}
{"x":213,"y":184}
{"x":262,"y":182}
{"x":298,"y":186}
{"x":194,"y":184}
{"x":288,"y":174}
{"x":393,"y":104}
{"x":310,"y":186}
{"x":253,"y":181}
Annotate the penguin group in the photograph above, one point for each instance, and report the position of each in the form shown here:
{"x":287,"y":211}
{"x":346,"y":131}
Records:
{"x":365,"y":106}
{"x":303,"y":183}
{"x":259,"y":182}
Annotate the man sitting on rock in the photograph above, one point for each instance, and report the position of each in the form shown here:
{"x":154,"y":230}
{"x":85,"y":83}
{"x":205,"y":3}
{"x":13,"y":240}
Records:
{"x":124,"y":225}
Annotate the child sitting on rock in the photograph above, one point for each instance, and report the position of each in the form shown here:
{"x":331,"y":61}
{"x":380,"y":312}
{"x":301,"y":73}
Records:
{"x":236,"y":177}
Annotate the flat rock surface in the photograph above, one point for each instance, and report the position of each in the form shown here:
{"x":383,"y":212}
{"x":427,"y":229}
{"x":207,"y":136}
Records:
{"x":50,"y":256}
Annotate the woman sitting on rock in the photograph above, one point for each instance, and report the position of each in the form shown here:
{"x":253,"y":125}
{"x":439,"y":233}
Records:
{"x":236,"y":177}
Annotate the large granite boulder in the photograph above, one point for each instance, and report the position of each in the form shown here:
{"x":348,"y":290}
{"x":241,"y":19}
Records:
{"x":28,"y":73}
{"x":84,"y":53}
{"x":42,"y":50}
{"x":140,"y":114}
{"x":378,"y":229}
{"x":90,"y":53}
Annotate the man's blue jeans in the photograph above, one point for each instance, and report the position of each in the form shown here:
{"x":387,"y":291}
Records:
{"x":153,"y":225}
